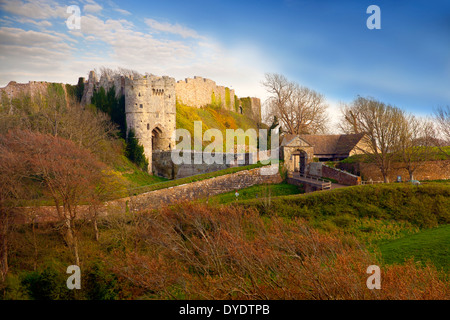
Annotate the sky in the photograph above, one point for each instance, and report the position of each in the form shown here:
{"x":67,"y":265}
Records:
{"x":323,"y":45}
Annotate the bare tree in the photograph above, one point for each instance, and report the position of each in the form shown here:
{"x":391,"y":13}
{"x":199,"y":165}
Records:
{"x":12,"y":169}
{"x":442,"y":118}
{"x":69,"y":174}
{"x":299,"y":109}
{"x":382,"y":124}
{"x":416,"y":143}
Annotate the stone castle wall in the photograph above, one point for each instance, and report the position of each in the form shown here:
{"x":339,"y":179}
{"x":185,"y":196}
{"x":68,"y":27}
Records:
{"x":150,"y":102}
{"x":163,"y":165}
{"x":32,"y":88}
{"x":198,"y":92}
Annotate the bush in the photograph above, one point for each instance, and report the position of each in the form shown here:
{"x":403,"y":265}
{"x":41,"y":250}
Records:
{"x":48,"y":284}
{"x":100,"y":283}
{"x":201,"y":252}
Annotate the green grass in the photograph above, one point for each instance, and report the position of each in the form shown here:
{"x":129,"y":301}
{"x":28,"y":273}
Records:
{"x":372,"y":213}
{"x":261,"y":191}
{"x":425,"y":205}
{"x":134,"y":176}
{"x":431,"y":245}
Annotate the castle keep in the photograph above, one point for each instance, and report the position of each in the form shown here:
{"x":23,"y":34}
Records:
{"x":150,"y":104}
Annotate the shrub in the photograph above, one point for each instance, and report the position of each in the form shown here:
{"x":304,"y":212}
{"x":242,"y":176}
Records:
{"x":48,"y":284}
{"x":200,"y":252}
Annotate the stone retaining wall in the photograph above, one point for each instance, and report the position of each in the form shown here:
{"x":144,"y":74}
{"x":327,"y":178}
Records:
{"x":429,"y":170}
{"x":158,"y":198}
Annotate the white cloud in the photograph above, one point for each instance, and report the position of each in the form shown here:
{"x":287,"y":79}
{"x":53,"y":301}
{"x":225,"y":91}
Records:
{"x":92,"y":8}
{"x":37,"y":9}
{"x":122,"y":11}
{"x":42,"y":23}
{"x":171,"y":28}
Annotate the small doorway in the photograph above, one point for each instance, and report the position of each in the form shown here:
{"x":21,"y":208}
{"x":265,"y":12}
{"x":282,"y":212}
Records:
{"x":156,"y":139}
{"x":300,"y":157}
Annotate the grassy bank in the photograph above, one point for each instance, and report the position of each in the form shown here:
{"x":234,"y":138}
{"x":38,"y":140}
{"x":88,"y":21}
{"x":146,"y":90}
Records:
{"x":427,"y":246}
{"x":423,"y":206}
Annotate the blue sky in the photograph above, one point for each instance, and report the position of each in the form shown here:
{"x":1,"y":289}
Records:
{"x":324,"y":45}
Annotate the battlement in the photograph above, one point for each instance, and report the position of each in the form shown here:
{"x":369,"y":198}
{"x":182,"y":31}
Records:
{"x":199,"y":92}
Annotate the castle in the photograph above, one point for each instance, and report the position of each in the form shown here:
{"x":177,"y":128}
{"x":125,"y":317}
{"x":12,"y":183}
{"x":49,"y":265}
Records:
{"x":150,"y":104}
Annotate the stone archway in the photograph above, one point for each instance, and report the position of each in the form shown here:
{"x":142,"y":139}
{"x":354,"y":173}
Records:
{"x":157,"y":142}
{"x":300,"y":161}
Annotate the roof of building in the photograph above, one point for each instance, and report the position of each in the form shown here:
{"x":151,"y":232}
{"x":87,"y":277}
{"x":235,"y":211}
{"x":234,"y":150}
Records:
{"x":331,"y":144}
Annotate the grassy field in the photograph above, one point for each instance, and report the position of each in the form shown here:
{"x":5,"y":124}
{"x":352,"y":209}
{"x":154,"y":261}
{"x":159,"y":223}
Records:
{"x":134,"y":176}
{"x":256,"y":192}
{"x":423,"y":206}
{"x":431,"y":245}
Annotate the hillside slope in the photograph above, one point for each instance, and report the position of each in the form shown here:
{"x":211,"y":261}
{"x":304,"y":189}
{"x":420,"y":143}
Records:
{"x":212,"y":118}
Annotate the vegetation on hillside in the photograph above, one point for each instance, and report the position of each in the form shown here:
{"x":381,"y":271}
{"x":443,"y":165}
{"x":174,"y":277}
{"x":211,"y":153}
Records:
{"x":212,"y":117}
{"x":193,"y":251}
{"x":423,"y":206}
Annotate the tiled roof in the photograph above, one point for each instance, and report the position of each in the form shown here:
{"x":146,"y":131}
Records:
{"x":340,"y":144}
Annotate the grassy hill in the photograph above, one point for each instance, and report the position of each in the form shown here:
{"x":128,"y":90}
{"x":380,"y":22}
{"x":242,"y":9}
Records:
{"x":401,"y":221}
{"x":212,"y":118}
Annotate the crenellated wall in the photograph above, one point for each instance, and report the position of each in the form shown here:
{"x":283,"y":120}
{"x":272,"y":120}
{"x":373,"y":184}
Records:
{"x":199,"y":92}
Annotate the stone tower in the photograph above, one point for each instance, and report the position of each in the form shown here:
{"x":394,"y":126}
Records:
{"x":150,"y":108}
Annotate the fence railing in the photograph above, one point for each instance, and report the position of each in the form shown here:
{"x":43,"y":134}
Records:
{"x":325,"y":184}
{"x":371,"y":182}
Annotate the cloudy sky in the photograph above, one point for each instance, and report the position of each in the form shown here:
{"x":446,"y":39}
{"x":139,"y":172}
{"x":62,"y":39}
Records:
{"x":324,"y":45}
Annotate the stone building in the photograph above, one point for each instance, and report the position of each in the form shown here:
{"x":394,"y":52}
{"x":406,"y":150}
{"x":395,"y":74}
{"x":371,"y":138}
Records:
{"x":298,"y":151}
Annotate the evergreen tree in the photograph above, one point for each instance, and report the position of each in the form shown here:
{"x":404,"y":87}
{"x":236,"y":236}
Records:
{"x":135,"y":151}
{"x":79,"y":90}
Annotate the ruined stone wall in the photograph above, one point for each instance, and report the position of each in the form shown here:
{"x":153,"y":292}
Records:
{"x":250,"y":107}
{"x":32,"y":88}
{"x":198,"y":92}
{"x":93,"y":84}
